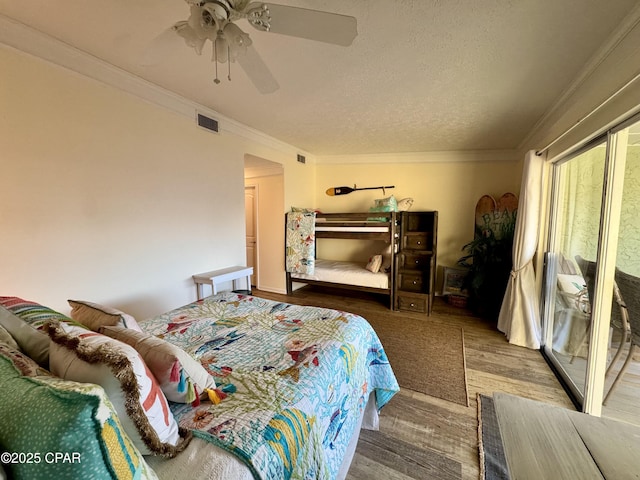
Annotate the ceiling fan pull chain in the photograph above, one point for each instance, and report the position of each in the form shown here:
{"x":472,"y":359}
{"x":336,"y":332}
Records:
{"x":229,"y":61}
{"x":215,"y":53}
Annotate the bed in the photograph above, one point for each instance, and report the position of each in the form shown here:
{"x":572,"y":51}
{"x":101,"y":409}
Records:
{"x":304,"y":228}
{"x":294,"y":385}
{"x":301,"y":373}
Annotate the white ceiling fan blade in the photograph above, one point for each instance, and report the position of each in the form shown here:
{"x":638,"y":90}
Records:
{"x":163,"y":46}
{"x":313,"y":24}
{"x":257,"y":71}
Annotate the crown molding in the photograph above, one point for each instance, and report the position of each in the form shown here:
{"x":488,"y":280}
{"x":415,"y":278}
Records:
{"x":25,"y":39}
{"x":630,"y":23}
{"x":422,"y":157}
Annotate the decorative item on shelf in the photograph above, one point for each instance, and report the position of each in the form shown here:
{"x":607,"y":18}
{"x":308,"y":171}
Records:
{"x":405,"y":204}
{"x":387,"y":204}
{"x":488,"y":258}
{"x":332,"y":192}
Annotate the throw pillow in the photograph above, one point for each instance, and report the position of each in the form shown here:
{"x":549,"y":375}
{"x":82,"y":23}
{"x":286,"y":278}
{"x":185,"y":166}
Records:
{"x":24,"y":320}
{"x":25,"y":365}
{"x":47,"y":416}
{"x":6,"y":338}
{"x":94,"y":316}
{"x":181,"y":378}
{"x":374,"y":263}
{"x":30,"y":340}
{"x":81,"y":355}
{"x":33,"y":313}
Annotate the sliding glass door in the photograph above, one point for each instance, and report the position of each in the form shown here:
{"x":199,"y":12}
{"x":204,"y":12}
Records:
{"x":593,"y":255}
{"x":623,"y":400}
{"x":578,"y":184}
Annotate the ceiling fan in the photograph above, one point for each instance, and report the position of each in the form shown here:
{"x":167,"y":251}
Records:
{"x":214,"y":20}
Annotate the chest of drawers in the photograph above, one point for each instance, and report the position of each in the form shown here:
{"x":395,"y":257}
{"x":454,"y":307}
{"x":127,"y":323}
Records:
{"x":416,"y":262}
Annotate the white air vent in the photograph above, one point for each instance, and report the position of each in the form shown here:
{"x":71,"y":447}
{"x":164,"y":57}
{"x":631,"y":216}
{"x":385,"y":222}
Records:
{"x":208,"y":123}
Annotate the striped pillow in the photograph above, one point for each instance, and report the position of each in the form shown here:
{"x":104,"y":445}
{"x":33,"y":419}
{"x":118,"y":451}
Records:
{"x":33,"y":313}
{"x":24,"y":320}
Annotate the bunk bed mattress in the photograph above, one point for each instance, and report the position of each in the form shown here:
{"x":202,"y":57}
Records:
{"x":353,"y":229}
{"x":346,"y":273}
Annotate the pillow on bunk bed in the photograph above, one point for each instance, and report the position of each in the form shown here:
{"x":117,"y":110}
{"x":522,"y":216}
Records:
{"x":81,"y":355}
{"x":94,"y":316}
{"x":374,"y":264}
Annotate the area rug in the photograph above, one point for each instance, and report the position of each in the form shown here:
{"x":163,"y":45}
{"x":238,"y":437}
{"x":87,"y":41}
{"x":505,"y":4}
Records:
{"x":493,"y":464}
{"x":425,"y":357}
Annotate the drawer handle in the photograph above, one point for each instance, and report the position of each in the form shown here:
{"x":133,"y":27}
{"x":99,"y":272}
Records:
{"x":412,"y":305}
{"x":415,"y":282}
{"x":419,"y":242}
{"x":417,"y":261}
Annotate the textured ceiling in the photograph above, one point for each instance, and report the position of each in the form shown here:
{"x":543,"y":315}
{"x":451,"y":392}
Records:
{"x":422,"y":75}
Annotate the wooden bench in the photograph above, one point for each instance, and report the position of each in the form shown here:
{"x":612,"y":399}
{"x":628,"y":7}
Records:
{"x":216,"y":277}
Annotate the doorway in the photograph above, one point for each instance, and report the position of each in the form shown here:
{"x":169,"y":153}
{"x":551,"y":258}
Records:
{"x":251,"y":222}
{"x":264,"y":217}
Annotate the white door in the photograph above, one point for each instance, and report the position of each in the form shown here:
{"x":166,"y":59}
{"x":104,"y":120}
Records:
{"x":250,"y":210}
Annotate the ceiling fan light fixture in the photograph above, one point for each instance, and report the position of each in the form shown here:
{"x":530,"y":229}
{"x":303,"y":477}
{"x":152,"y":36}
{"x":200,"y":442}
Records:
{"x":237,"y":39}
{"x":219,"y":9}
{"x":190,"y":36}
{"x":195,"y":21}
{"x":259,"y":17}
{"x":214,"y":20}
{"x":220,"y":48}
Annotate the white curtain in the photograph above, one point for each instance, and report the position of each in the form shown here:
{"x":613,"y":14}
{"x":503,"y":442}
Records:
{"x":519,"y":316}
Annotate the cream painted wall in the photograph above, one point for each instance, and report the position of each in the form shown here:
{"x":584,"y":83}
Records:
{"x":109,"y":198}
{"x":451,"y":188}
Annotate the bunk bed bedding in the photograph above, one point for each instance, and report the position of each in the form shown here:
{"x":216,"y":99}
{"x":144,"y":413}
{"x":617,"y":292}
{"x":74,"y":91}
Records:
{"x":349,"y":273}
{"x":356,"y":227}
{"x":295,"y":381}
{"x":303,"y":230}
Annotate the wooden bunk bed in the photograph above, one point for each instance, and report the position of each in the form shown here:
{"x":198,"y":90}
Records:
{"x":381,"y":226}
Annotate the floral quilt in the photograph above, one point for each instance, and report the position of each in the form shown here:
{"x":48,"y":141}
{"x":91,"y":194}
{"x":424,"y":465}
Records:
{"x":292,"y":381}
{"x":300,"y":242}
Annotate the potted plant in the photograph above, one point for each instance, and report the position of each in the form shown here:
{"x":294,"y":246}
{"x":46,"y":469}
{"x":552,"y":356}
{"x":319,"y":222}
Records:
{"x":489,"y":260}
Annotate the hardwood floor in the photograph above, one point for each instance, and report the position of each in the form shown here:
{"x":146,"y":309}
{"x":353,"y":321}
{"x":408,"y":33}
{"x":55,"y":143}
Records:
{"x":423,"y":437}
